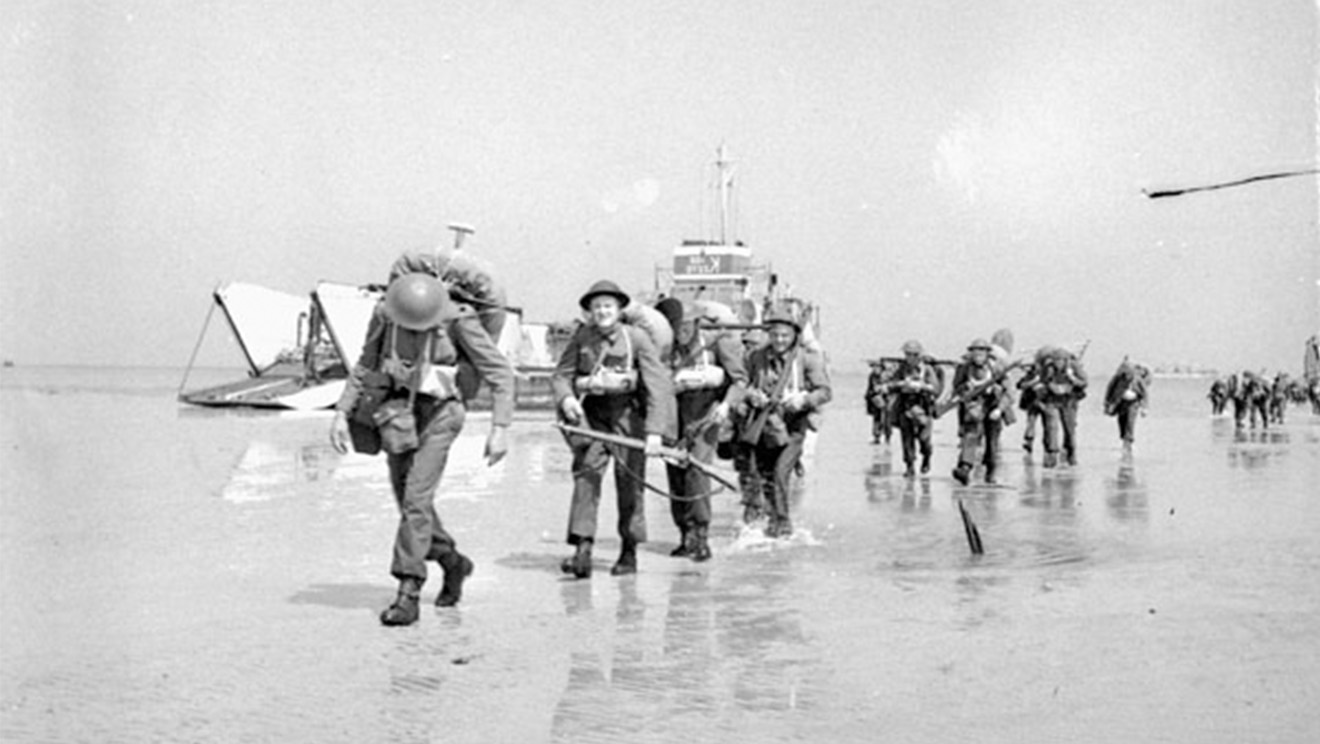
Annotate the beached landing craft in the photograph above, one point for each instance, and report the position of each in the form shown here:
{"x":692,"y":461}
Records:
{"x":298,"y":352}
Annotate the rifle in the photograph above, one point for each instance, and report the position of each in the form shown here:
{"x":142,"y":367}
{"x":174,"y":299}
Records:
{"x":751,"y":434}
{"x":975,"y":389}
{"x":681,"y":457}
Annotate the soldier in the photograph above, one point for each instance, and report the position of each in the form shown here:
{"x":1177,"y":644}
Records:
{"x":1218,"y":396}
{"x":415,"y":340}
{"x":1278,"y":403}
{"x":1258,"y":398}
{"x":610,"y":378}
{"x":1062,"y":384}
{"x":1125,"y":399}
{"x":787,"y":386}
{"x":880,"y":401}
{"x":915,"y":386}
{"x":709,"y":377}
{"x":1028,"y":403}
{"x":980,"y":411}
{"x":749,"y":480}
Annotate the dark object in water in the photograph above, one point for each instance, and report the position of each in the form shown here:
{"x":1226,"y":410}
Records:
{"x":1160,"y":194}
{"x":969,"y":527}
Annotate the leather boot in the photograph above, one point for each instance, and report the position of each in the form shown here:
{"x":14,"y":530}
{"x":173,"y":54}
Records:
{"x":580,"y":564}
{"x":684,"y":548}
{"x":925,"y":463}
{"x":700,"y":547}
{"x":457,"y":568}
{"x":627,"y":563}
{"x":1051,"y":460}
{"x":990,"y":474}
{"x":404,"y":610}
{"x":962,"y":473}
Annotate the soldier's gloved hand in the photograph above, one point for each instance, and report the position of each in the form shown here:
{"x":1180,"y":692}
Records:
{"x":339,"y":437}
{"x":795,"y":401}
{"x":571,"y":408}
{"x":653,"y":445}
{"x":995,"y":414}
{"x":497,"y":444}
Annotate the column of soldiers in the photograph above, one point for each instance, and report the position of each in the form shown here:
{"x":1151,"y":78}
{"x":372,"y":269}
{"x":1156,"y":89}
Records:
{"x":1259,"y":400}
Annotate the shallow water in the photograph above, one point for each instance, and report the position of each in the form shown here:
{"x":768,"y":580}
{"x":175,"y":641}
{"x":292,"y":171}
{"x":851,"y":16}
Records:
{"x":188,"y":575}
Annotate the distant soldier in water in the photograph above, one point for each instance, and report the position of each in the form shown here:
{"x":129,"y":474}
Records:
{"x":709,"y":378}
{"x":1218,"y":396}
{"x":1125,"y":399}
{"x":980,"y":411}
{"x":1237,"y":392}
{"x":787,"y":387}
{"x":610,"y":378}
{"x":1062,"y":384}
{"x":1256,"y":395}
{"x":1030,"y":405}
{"x":880,"y":400}
{"x":1279,"y":397}
{"x":915,"y":387}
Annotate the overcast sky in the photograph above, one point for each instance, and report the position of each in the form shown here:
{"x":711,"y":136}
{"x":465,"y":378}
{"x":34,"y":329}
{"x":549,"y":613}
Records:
{"x":926,"y":169}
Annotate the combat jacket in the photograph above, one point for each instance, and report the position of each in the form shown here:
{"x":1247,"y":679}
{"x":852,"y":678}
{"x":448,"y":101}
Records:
{"x":922,"y":372}
{"x":1061,"y":379}
{"x":459,"y":338}
{"x":994,"y":396}
{"x":622,"y":347}
{"x":808,"y":375}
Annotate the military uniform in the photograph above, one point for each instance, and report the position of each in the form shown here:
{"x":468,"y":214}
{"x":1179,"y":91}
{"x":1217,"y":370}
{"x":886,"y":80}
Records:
{"x":1061,"y":385}
{"x":915,"y":387}
{"x":699,"y":390}
{"x":778,"y":450}
{"x":407,"y":359}
{"x":980,"y":416}
{"x":1125,"y":397}
{"x":647,"y":408}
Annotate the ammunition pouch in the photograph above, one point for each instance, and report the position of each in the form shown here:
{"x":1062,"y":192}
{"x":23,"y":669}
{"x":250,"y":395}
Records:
{"x":361,"y":422}
{"x":397,"y":426}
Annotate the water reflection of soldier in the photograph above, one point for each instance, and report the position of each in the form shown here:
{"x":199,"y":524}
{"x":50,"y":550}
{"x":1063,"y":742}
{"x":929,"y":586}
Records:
{"x":1029,"y":404}
{"x":1062,"y":384}
{"x":787,"y":386}
{"x":624,"y":389}
{"x":880,"y":401}
{"x":1218,"y":396}
{"x":709,"y":377}
{"x":915,"y":386}
{"x":416,"y":339}
{"x":980,"y":416}
{"x":1125,"y":399}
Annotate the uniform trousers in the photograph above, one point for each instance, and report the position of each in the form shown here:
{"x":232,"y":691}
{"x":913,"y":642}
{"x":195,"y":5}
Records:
{"x":777,"y":466}
{"x":414,"y":477}
{"x":1060,"y":418}
{"x":591,"y":457}
{"x":690,"y":485}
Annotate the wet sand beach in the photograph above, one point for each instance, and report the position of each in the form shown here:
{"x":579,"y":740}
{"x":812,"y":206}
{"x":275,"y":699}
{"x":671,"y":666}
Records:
{"x":175,"y":574}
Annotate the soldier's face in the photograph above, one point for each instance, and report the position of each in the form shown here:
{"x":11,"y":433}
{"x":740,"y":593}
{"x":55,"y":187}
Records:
{"x":604,"y":311}
{"x":686,"y":330}
{"x":979,"y":356}
{"x":912,"y":357}
{"x":782,"y":337}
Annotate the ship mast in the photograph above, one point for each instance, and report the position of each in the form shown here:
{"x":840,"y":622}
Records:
{"x":725,"y":172}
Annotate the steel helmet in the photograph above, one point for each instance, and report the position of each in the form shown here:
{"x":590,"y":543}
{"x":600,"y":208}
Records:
{"x":604,"y":287}
{"x":417,"y":301}
{"x":979,"y":343}
{"x":783,"y":316}
{"x":913,"y":347}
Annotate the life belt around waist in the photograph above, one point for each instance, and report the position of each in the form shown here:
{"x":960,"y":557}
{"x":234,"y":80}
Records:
{"x":707,"y":377}
{"x":606,"y":382}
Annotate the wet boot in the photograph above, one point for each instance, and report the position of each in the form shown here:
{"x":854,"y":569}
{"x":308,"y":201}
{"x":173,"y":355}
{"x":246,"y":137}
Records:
{"x":457,"y":568}
{"x":700,"y":549}
{"x":627,"y":563}
{"x":580,"y":564}
{"x":1051,"y":460}
{"x":925,"y":463}
{"x":990,"y":474}
{"x":909,"y":471}
{"x":404,"y":610}
{"x":962,"y":473}
{"x":684,"y":548}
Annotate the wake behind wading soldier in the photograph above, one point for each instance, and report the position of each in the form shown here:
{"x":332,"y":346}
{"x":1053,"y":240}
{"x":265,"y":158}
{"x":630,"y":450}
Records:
{"x":787,"y":385}
{"x":414,"y":342}
{"x":610,"y":378}
{"x":709,"y":378}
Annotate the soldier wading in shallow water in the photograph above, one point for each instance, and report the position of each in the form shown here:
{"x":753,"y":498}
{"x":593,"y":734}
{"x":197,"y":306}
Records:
{"x":414,"y":343}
